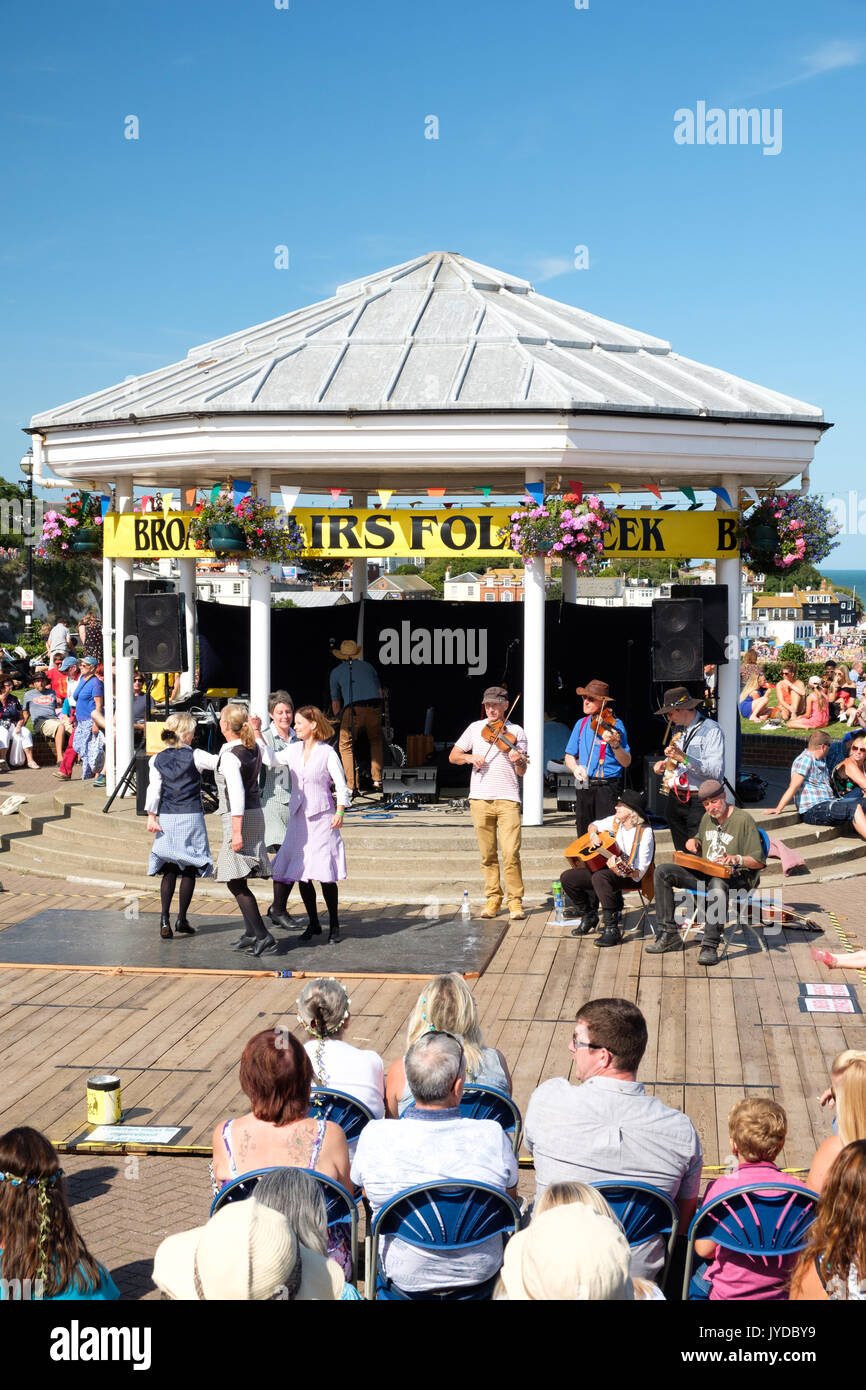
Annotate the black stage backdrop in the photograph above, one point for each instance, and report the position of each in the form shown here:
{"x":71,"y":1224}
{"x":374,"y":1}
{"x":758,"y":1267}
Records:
{"x":442,"y":656}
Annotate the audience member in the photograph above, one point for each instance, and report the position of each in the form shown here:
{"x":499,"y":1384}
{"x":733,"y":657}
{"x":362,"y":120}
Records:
{"x":323,"y":1011}
{"x":16,"y":740}
{"x":608,"y":1127}
{"x":564,"y":1194}
{"x":446,"y":1005}
{"x":569,"y":1254}
{"x":90,"y":635}
{"x":56,"y":635}
{"x":833,"y":1265}
{"x":42,"y":1254}
{"x":296,"y":1194}
{"x":391,"y":1157}
{"x":848,"y":1090}
{"x":816,"y":800}
{"x":757,"y":1130}
{"x":246,"y":1253}
{"x":817,"y":712}
{"x":790,"y":695}
{"x":43,"y":708}
{"x":755,"y":699}
{"x":88,"y":739}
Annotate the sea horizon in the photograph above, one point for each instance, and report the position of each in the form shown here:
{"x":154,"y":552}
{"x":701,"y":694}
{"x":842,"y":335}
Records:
{"x":849,"y":579}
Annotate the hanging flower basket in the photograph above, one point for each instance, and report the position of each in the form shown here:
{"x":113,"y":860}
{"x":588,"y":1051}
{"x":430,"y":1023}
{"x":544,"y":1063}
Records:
{"x":76,"y":531}
{"x":567,"y":527}
{"x":787,"y":529}
{"x":250,"y":527}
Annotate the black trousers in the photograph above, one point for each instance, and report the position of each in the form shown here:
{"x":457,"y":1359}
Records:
{"x":594,"y":803}
{"x":683,"y":818}
{"x":712,"y":909}
{"x":587,"y":889}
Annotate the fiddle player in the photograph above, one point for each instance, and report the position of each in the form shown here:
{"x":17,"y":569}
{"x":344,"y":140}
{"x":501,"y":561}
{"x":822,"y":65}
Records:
{"x":597,"y":754}
{"x":726,"y":835}
{"x":696,"y":753}
{"x":634,"y":847}
{"x":494,"y":800}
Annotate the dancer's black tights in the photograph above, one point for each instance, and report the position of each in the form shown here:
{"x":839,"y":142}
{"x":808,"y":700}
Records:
{"x":169,"y":882}
{"x":307,"y":890}
{"x":281,"y":897}
{"x":243,"y":896}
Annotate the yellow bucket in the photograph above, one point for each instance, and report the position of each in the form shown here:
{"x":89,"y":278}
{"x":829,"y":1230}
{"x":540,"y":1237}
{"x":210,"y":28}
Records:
{"x":103,"y":1100}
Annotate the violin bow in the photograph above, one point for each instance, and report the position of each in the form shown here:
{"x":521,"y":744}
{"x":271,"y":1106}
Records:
{"x":510,"y":710}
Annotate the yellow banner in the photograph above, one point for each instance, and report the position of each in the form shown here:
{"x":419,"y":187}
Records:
{"x":353,"y":533}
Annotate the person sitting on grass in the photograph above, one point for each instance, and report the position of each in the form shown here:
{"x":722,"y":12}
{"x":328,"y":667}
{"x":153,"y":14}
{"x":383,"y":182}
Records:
{"x":817,"y":713}
{"x":790,"y":695}
{"x":755,"y":699}
{"x":817,"y":802}
{"x":757,"y":1130}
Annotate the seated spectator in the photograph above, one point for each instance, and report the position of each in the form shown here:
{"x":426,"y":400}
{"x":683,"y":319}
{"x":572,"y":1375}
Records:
{"x":276,"y":1076}
{"x":139,"y":708}
{"x":833,"y":1265}
{"x":391,"y":1157}
{"x":42,"y":707}
{"x":159,"y":683}
{"x":755,"y":699}
{"x":848,"y":1091}
{"x":41,"y":1249}
{"x":817,"y":712}
{"x":608,"y":1128}
{"x":855,"y":715}
{"x":301,"y":1200}
{"x":569,"y":1254}
{"x":564,"y":1194}
{"x":816,"y":800}
{"x":15,"y":738}
{"x":790,"y":695}
{"x":446,"y":1005}
{"x":323,"y":1010}
{"x":848,"y":777}
{"x":246,"y":1253}
{"x":757,"y":1130}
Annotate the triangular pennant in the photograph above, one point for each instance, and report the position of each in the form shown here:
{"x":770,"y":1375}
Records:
{"x":335,"y":492}
{"x":104,"y":504}
{"x":689,"y":492}
{"x":752,"y":494}
{"x":290,"y":496}
{"x":536,"y":492}
{"x":615,"y":487}
{"x":85,"y":498}
{"x":146,"y":504}
{"x":666,"y":507}
{"x":654,"y":489}
{"x":215,"y":491}
{"x":695,"y":506}
{"x":576,"y":487}
{"x":436,"y":491}
{"x":189,"y":496}
{"x":487,"y":491}
{"x":240,"y":491}
{"x":121,"y":504}
{"x":167,"y":499}
{"x":723,"y":496}
{"x":385,"y":494}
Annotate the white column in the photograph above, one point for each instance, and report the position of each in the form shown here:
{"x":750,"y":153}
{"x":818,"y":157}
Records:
{"x":569,"y":581}
{"x":260,"y":617}
{"x":108,"y":676}
{"x":186,"y":571}
{"x":124,"y":658}
{"x":359,"y":567}
{"x":729,"y":572}
{"x":533,"y":682}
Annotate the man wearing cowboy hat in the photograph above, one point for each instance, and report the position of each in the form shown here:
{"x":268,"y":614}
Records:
{"x":597,"y":758}
{"x":634,"y":848}
{"x":698,"y":749}
{"x":356,"y":695}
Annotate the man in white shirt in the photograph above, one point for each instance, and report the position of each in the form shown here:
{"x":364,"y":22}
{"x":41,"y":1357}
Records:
{"x":494,"y":800}
{"x":433,"y":1143}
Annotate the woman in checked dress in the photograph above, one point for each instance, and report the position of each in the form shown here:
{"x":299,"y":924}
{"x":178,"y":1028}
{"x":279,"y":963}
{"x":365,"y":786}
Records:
{"x":243,"y":854}
{"x":175,"y":816}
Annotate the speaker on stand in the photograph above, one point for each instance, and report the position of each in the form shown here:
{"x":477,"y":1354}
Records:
{"x":677,"y":640}
{"x":160,"y":621}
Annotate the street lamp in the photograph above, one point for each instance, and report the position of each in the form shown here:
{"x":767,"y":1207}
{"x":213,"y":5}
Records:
{"x":26,"y":466}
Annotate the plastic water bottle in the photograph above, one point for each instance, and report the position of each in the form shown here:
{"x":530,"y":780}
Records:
{"x":558,"y":904}
{"x":465,"y":909}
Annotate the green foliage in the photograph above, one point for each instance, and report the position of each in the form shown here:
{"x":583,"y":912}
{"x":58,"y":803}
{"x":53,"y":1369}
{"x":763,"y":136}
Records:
{"x":792,"y":651}
{"x":322,"y":569}
{"x":804,"y":576}
{"x":284,"y":603}
{"x":655,"y":571}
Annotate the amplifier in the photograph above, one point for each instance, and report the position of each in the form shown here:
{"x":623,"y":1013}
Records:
{"x":422,"y":782}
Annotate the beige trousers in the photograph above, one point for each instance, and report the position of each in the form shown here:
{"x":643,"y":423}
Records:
{"x":368,"y":718}
{"x":499,"y":820}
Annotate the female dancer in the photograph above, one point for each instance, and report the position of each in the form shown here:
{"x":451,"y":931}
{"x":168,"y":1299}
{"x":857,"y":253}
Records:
{"x":243,"y":854}
{"x":175,"y":816}
{"x":313,"y":847}
{"x":276,"y":788}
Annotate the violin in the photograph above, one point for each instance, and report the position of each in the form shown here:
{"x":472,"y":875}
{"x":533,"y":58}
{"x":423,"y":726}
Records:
{"x":495,"y":733}
{"x":605,"y":721}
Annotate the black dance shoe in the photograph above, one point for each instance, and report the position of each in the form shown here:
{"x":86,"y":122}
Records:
{"x":245,"y":942}
{"x":165,"y":930}
{"x":183,"y":928}
{"x":265,"y":946}
{"x":280,"y":919}
{"x":334,"y":935}
{"x":310,"y":933}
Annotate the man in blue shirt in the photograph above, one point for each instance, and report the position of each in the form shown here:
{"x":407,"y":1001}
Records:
{"x":597,"y":757}
{"x":356,"y":696}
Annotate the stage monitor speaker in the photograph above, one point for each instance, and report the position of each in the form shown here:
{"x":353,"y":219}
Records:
{"x":131,"y":590}
{"x":161,"y":623}
{"x":422,"y":782}
{"x":678,"y":645}
{"x":655,"y":802}
{"x":714,"y":598}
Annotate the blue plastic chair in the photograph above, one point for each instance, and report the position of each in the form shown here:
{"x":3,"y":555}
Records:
{"x":768,"y":1218}
{"x":645,"y":1213}
{"x":442,"y":1216}
{"x":489,"y":1103}
{"x":342,"y":1109}
{"x":765,"y":841}
{"x":340,"y":1205}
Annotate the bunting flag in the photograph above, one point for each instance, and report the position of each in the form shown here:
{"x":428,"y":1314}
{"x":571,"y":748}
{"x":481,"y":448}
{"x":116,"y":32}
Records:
{"x":146,"y":504}
{"x":751,"y":494}
{"x":240,"y":491}
{"x":654,"y":489}
{"x":723,"y":496}
{"x":121,"y":504}
{"x":666,"y":507}
{"x":615,"y":487}
{"x":189,"y":496}
{"x":104,"y":504}
{"x":384,"y":495}
{"x":436,"y":491}
{"x":335,"y":492}
{"x":695,"y":506}
{"x":536,"y":492}
{"x":215,"y":491}
{"x":167,"y":499}
{"x":689,"y":492}
{"x":290,"y":496}
{"x":487,"y":491}
{"x":85,"y":498}
{"x":576,"y":487}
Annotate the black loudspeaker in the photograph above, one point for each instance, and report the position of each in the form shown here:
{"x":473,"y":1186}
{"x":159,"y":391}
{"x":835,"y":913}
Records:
{"x":714,"y":598}
{"x":655,"y":802}
{"x":678,"y":639}
{"x":131,"y":591}
{"x":161,"y":623}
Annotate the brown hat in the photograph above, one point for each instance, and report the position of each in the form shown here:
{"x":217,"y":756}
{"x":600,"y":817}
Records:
{"x":709,"y":789}
{"x":347,"y":650}
{"x":677,"y":698}
{"x":596,"y":690}
{"x":495,"y":692}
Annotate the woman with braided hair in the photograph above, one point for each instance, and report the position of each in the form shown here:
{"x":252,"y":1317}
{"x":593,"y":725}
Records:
{"x":323,"y":1011}
{"x":42,"y":1254}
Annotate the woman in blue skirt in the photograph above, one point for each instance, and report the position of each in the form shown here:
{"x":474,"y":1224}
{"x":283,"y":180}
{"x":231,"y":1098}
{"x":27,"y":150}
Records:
{"x":175,"y":816}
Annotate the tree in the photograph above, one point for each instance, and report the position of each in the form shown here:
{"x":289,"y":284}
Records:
{"x":322,"y":569}
{"x":65,"y":587}
{"x":804,"y":576}
{"x":653,"y":570}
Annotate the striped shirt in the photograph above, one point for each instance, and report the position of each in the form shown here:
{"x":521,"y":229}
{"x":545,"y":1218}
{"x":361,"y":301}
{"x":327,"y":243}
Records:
{"x":496,"y":780}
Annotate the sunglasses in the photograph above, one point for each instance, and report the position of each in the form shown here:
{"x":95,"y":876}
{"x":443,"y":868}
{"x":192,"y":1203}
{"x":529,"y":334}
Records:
{"x":592,"y":1047}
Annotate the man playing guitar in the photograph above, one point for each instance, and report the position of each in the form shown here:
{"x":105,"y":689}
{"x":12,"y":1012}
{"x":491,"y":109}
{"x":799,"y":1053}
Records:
{"x":630,"y":856}
{"x":597,"y":754}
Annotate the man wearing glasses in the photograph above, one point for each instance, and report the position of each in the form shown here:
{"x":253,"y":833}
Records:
{"x":608,"y":1128}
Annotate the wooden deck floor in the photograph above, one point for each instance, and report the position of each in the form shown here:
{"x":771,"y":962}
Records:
{"x":176,"y":1040}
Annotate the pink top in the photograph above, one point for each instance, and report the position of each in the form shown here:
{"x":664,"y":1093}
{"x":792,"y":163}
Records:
{"x":496,"y":780}
{"x":736,"y":1276}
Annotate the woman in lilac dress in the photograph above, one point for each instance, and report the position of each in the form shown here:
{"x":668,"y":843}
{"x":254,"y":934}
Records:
{"x":313,"y":848}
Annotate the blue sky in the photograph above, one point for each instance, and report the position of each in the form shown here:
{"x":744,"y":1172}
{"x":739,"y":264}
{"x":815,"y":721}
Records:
{"x":304,"y":126}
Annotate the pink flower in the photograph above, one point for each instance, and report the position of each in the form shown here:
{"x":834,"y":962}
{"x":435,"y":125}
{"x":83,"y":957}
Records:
{"x":593,"y":502}
{"x":557,"y":545}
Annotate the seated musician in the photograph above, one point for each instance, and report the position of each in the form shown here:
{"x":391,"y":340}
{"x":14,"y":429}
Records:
{"x":630,"y":856}
{"x":726,"y":836}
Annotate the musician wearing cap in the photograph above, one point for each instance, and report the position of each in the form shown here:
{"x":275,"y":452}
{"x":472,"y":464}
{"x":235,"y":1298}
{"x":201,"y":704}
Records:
{"x":356,"y":699}
{"x":597,"y":754}
{"x":626,"y":860}
{"x":494,"y":799}
{"x":695,"y":754}
{"x":728,"y":838}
